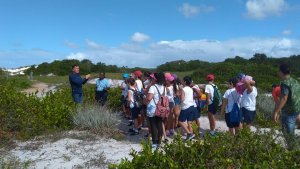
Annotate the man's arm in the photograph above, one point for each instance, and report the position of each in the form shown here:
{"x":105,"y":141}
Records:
{"x":77,"y":80}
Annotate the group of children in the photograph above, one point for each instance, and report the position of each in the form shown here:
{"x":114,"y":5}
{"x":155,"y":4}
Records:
{"x":141,"y":93}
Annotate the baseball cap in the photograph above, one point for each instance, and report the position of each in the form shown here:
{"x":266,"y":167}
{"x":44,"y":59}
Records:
{"x":138,"y":73}
{"x":210,"y":77}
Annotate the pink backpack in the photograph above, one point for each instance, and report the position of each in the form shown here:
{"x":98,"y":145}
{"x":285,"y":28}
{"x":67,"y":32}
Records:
{"x":162,"y":107}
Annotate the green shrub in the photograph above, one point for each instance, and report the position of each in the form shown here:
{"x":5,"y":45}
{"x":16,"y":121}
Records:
{"x":246,"y":150}
{"x":30,"y":115}
{"x":114,"y":98}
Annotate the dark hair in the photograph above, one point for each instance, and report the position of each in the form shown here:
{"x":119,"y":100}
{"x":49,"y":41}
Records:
{"x":233,"y":81}
{"x":131,"y":81}
{"x":75,"y":65}
{"x":176,"y":82}
{"x":285,"y":69}
{"x":102,"y":73}
{"x":188,"y":80}
{"x":147,"y":74}
{"x":160,"y":78}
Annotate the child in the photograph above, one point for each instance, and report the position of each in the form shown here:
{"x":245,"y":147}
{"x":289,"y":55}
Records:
{"x":135,"y":111}
{"x":231,"y":97}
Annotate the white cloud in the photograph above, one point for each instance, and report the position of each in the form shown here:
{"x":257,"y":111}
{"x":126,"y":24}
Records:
{"x":190,"y":10}
{"x":134,"y":54}
{"x":70,"y":44}
{"x":260,"y":9}
{"x":92,"y":45}
{"x":153,"y":54}
{"x":287,"y":32}
{"x":78,"y":56}
{"x":139,"y":37}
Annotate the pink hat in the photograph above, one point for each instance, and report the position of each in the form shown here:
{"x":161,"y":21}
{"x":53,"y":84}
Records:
{"x":169,"y":77}
{"x":152,"y":76}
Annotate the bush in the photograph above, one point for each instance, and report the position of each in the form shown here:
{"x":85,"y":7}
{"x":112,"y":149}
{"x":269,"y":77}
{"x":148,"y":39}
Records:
{"x":246,"y":150}
{"x":113,"y":100}
{"x":30,"y":115}
{"x":265,"y":112}
{"x":94,"y":117}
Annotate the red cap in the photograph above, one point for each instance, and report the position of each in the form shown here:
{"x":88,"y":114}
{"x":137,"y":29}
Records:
{"x":138,"y":73}
{"x":210,"y":77}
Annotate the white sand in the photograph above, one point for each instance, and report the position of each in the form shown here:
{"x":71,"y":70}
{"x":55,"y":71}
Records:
{"x":71,"y":153}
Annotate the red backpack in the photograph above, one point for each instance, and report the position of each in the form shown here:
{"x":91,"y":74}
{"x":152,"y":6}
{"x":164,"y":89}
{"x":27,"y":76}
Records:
{"x":162,"y":107}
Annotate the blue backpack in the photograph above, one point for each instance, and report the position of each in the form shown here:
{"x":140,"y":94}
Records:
{"x":235,"y":114}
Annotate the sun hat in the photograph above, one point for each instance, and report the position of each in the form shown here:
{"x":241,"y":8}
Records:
{"x":210,"y":77}
{"x":169,"y":77}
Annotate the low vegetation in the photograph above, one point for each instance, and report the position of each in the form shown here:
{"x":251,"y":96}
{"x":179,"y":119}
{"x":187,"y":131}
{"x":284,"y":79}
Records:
{"x":247,"y":150}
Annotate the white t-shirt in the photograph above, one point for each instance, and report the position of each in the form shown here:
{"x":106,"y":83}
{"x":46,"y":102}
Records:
{"x":132,"y":98}
{"x":147,"y":83}
{"x":170,"y":94}
{"x":152,"y":105}
{"x":209,"y":89}
{"x":188,"y":100}
{"x":232,"y":97}
{"x":248,"y":101}
{"x":139,"y":85}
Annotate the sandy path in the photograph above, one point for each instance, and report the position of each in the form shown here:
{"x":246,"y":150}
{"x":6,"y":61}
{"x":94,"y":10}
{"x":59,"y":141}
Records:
{"x":40,"y":88}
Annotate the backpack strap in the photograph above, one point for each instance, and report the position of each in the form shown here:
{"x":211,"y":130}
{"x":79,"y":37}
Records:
{"x":214,"y":87}
{"x":158,"y":93}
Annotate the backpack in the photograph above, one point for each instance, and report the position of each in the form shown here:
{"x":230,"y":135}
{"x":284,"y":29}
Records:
{"x":235,"y":114}
{"x":217,"y":99}
{"x":162,"y":106}
{"x":138,"y":98}
{"x":293,"y":105}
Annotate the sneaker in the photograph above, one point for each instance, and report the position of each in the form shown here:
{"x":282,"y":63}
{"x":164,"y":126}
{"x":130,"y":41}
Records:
{"x":130,"y":123}
{"x":134,"y":133}
{"x":131,"y":130}
{"x":146,"y":135}
{"x":189,"y":136}
{"x":154,"y":146}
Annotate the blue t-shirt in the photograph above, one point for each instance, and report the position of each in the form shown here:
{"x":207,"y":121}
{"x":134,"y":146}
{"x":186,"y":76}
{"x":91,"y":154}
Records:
{"x":102,"y":84}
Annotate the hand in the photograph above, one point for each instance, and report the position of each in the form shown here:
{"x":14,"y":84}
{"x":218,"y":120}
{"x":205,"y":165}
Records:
{"x":276,"y":117}
{"x":87,"y":76}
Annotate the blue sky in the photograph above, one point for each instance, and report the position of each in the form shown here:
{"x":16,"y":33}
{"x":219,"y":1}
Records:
{"x":145,"y":33}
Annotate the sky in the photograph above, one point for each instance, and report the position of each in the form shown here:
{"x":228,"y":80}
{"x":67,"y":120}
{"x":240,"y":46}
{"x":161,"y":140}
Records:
{"x":145,"y":33}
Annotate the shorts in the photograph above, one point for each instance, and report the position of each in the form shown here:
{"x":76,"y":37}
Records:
{"x":212,"y":109}
{"x":248,"y":116}
{"x":177,"y":101}
{"x":135,"y":112}
{"x":197,"y":113}
{"x":188,"y":114}
{"x":230,"y":124}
